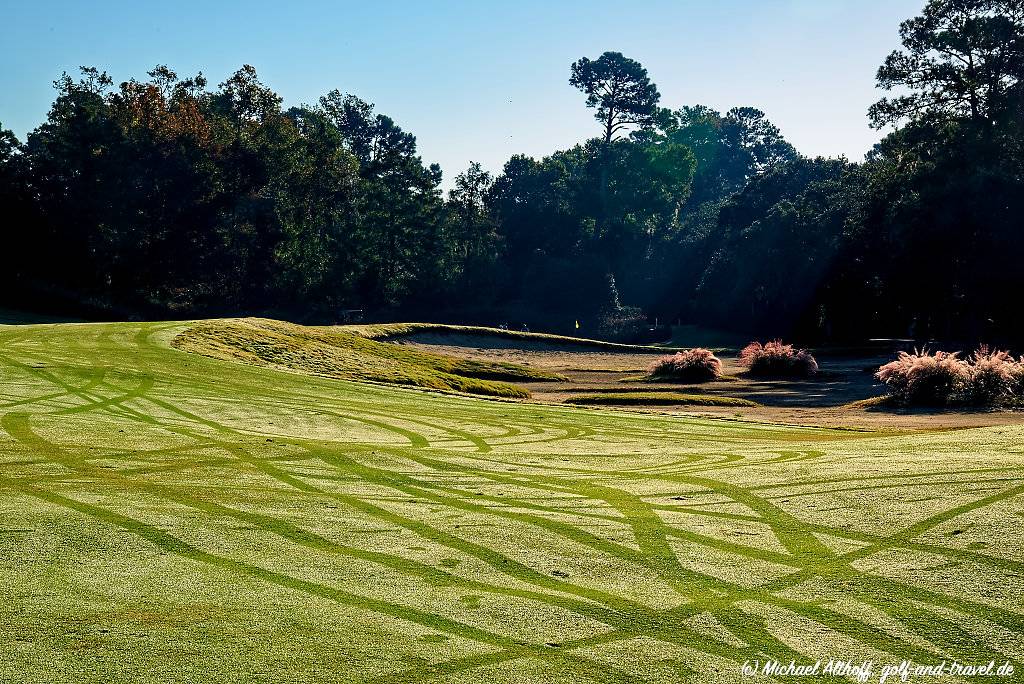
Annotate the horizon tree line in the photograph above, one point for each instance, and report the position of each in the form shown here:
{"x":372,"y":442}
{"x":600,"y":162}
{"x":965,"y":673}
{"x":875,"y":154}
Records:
{"x":168,"y":197}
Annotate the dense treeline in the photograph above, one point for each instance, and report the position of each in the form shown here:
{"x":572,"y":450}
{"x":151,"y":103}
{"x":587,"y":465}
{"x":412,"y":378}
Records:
{"x":168,"y":197}
{"x":164,"y":194}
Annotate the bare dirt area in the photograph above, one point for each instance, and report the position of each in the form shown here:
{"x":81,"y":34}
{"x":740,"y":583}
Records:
{"x":823,"y":401}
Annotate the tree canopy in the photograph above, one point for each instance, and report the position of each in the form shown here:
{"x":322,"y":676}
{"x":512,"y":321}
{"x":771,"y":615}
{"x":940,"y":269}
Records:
{"x":166,"y":196}
{"x":961,"y":59}
{"x":618,"y":87}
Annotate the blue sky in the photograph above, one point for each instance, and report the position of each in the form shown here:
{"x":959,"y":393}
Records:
{"x":481,"y":80}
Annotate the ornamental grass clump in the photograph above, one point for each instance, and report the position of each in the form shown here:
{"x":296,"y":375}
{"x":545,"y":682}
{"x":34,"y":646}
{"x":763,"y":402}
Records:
{"x":925,"y":378}
{"x":775,"y":359}
{"x":986,"y":378}
{"x":693,"y":365}
{"x":995,"y":377}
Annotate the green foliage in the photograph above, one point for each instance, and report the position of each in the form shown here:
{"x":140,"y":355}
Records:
{"x":570,"y":219}
{"x":618,"y":87}
{"x":15,"y":209}
{"x":961,"y":60}
{"x":472,"y":234}
{"x":167,"y":196}
{"x":398,"y":239}
{"x":774,"y":243}
{"x":932,"y":248}
{"x":729,"y":149}
{"x":165,"y":193}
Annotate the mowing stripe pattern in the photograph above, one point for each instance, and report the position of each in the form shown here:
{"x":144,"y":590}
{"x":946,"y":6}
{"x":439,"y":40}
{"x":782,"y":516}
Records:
{"x":170,"y":517}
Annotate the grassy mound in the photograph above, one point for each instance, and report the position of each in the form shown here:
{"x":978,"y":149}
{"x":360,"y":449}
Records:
{"x":390,"y":331}
{"x":657,"y":399}
{"x":336,"y":353}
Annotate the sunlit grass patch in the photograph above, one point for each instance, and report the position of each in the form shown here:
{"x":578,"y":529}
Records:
{"x":158,"y":504}
{"x":336,"y":353}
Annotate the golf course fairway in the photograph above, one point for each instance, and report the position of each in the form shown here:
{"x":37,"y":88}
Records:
{"x":172,"y":517}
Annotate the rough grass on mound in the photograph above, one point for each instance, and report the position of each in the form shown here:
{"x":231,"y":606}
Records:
{"x":391,"y":331}
{"x":657,"y":399}
{"x":336,"y":353}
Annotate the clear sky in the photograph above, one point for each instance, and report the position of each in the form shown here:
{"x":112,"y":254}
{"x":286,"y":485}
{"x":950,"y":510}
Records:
{"x":480,"y":80}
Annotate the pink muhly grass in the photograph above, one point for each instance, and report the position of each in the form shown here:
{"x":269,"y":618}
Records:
{"x":773,"y":358}
{"x":926,"y":378}
{"x":693,"y":365}
{"x":987,"y":377}
{"x":995,"y":375}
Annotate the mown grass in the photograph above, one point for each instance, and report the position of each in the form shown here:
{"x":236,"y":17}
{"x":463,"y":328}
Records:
{"x":170,"y":517}
{"x":337,"y":353}
{"x":657,"y":399}
{"x":378,"y":331}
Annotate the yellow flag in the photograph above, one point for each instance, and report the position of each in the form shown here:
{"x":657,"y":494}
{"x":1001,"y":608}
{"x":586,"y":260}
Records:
{"x":577,"y":325}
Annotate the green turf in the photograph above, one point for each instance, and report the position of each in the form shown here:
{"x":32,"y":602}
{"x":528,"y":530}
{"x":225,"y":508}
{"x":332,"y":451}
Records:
{"x":172,"y":517}
{"x":660,"y":398}
{"x":337,"y":353}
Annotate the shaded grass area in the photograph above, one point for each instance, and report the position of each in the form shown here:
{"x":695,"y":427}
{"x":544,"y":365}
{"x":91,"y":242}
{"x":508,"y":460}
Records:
{"x":378,"y":331}
{"x":660,"y":398}
{"x":688,"y":336}
{"x":649,"y":378}
{"x":17,"y":317}
{"x":337,"y":353}
{"x":173,"y":517}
